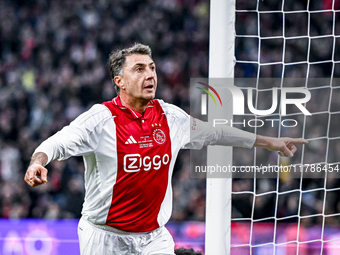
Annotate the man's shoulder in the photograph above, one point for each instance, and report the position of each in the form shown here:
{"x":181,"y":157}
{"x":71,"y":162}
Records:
{"x":171,"y":109}
{"x":113,"y":108}
{"x":97,"y":109}
{"x":96,"y":114}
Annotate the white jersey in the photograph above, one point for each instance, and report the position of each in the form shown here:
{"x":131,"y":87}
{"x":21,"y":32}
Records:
{"x":129,"y":159}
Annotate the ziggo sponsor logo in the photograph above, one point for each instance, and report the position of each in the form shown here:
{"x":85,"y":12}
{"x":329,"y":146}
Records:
{"x":135,"y":162}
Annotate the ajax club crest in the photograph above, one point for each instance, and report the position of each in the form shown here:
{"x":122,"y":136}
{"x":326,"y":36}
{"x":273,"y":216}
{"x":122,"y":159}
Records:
{"x":159,"y":136}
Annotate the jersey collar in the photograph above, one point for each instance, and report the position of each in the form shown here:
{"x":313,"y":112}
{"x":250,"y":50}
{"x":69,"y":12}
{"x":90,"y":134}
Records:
{"x":136,"y":115}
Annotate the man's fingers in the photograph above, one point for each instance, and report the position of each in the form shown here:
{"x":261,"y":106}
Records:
{"x":43,"y":174}
{"x":33,"y":173}
{"x":297,"y":141}
{"x":288,"y":150}
{"x":285,"y":151}
{"x":292,"y":148}
{"x":37,"y":180}
{"x":28,"y":178}
{"x":32,"y":181}
{"x":30,"y":173}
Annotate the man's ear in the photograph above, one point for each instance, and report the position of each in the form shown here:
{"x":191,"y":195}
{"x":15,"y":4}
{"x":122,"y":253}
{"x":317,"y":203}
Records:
{"x":119,"y":82}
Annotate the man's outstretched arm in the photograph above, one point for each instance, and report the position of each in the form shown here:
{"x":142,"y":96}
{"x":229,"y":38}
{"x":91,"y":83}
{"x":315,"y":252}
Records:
{"x":285,"y":146}
{"x":36,"y":173}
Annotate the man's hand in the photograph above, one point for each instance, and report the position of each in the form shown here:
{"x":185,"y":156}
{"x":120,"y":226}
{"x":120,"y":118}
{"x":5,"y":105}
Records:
{"x":36,"y":173}
{"x":285,"y":146}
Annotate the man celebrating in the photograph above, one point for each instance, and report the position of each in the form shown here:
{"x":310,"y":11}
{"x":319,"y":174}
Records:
{"x":129,"y":146}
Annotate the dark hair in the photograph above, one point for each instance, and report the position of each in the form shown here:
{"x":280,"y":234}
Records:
{"x":117,"y":59}
{"x":183,"y":251}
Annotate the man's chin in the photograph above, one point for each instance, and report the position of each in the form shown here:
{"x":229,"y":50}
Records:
{"x":149,"y":96}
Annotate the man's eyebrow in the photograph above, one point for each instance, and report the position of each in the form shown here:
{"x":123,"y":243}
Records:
{"x":142,"y":64}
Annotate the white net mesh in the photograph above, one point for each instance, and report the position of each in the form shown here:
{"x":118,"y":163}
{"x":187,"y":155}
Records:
{"x":293,"y":213}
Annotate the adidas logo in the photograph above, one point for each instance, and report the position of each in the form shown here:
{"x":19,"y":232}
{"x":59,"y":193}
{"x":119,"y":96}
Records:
{"x":130,"y":140}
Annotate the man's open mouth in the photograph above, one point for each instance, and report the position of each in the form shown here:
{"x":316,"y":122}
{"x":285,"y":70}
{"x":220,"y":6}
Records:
{"x":149,"y":86}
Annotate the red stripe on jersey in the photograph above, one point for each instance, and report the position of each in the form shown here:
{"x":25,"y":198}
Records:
{"x":144,"y":155}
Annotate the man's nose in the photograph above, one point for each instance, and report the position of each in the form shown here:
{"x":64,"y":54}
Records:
{"x":150,"y":73}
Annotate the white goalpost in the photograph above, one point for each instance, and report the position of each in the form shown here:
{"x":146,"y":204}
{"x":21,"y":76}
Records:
{"x":218,"y":198}
{"x":294,"y":213}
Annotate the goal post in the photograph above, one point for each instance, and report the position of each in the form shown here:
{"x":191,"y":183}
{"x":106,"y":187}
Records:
{"x":221,"y":65}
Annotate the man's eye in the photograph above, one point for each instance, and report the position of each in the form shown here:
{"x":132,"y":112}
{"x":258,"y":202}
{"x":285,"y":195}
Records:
{"x":139,"y":69}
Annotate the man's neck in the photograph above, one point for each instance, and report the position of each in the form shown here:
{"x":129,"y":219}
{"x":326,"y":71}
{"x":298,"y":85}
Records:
{"x":133,"y":104}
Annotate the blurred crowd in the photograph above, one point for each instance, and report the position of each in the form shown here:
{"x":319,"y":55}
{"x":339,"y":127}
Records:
{"x":53,"y":66}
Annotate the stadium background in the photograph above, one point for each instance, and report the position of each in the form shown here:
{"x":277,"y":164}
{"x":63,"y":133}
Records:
{"x":53,"y":66}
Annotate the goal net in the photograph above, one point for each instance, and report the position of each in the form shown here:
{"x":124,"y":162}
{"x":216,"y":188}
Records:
{"x":283,"y":44}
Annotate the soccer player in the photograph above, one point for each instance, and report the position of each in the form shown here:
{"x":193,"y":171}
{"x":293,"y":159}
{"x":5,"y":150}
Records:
{"x":129,"y":146}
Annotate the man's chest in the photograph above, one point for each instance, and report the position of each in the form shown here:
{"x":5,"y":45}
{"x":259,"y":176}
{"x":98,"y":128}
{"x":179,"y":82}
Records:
{"x":143,"y":143}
